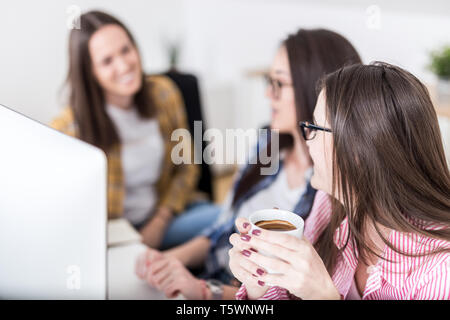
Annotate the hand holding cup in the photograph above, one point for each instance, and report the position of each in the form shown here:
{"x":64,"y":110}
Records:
{"x":280,"y":258}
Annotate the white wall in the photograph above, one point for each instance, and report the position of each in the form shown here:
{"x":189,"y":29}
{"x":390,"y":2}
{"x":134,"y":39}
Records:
{"x":220,"y":39}
{"x":34,"y":34}
{"x":228,"y":38}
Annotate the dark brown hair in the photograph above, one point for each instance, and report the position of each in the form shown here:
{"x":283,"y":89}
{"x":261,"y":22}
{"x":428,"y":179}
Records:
{"x":86,"y":96}
{"x":388,"y":158}
{"x":312,"y":54}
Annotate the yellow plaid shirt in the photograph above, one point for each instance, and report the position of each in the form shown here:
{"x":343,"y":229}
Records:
{"x":176,"y":183}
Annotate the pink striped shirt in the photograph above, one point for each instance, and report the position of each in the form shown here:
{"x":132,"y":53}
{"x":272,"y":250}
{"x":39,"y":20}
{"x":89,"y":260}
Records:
{"x":398,"y":277}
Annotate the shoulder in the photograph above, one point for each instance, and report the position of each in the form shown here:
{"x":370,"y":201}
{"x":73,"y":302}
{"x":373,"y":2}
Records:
{"x":168,"y":102}
{"x":420,"y":267}
{"x":162,"y":88}
{"x":424,"y":246}
{"x":431,"y":278}
{"x":420,"y":245}
{"x":64,"y":121}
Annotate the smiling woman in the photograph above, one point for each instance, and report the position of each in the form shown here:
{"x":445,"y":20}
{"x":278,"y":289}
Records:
{"x":104,"y":67}
{"x":116,"y":64}
{"x":130,"y":116}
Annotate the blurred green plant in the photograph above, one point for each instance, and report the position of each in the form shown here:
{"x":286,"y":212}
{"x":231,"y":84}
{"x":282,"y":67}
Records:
{"x":174,"y":52}
{"x":440,"y":62}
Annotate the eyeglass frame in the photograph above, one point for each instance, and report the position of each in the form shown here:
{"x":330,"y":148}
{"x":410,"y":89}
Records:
{"x":306,"y":125}
{"x":276,"y":90}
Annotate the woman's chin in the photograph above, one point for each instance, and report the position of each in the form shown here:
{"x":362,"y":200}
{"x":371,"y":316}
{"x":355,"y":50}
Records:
{"x":128,"y":90}
{"x":318,"y":184}
{"x":315,"y":183}
{"x":280,"y":129}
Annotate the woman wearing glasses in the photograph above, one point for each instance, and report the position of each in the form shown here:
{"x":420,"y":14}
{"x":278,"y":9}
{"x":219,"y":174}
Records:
{"x":300,"y":61}
{"x":377,"y":151}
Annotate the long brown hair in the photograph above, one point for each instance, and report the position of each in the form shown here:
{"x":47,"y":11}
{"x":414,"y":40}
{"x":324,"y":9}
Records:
{"x":86,"y":97}
{"x":312,"y":54}
{"x":388,"y":158}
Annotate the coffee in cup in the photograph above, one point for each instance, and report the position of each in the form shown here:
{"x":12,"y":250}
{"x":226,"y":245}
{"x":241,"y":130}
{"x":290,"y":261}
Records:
{"x":277,"y":220}
{"x":275,"y":225}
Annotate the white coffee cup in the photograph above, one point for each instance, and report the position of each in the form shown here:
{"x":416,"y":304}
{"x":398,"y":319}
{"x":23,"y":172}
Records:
{"x":277,"y":214}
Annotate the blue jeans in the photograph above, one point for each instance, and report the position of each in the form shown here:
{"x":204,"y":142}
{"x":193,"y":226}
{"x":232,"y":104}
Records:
{"x":190,"y":223}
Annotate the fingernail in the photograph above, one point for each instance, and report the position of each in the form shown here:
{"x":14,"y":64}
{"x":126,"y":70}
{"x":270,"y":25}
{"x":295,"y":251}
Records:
{"x":245,"y":237}
{"x":261,"y":283}
{"x":245,"y":225}
{"x":246,"y":253}
{"x":254,"y":250}
{"x":260,"y":271}
{"x":256,"y":232}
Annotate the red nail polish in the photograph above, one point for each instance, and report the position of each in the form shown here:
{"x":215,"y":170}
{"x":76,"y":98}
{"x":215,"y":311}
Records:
{"x":254,"y":250}
{"x":246,"y":253}
{"x":261,"y":283}
{"x":245,"y":237}
{"x":260,"y":271}
{"x":256,"y":232}
{"x":245,"y":225}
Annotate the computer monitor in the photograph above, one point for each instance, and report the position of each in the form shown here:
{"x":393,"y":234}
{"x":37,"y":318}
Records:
{"x":53,"y":213}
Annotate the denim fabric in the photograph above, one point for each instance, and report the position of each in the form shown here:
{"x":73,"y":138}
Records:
{"x":190,"y":223}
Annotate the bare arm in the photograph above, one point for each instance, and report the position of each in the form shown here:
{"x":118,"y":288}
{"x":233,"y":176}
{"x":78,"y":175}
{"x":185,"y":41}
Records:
{"x":153,"y":232}
{"x":192,"y":253}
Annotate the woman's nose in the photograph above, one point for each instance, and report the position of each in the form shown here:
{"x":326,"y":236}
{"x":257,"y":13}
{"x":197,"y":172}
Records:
{"x":269,"y":92}
{"x":122,"y":65}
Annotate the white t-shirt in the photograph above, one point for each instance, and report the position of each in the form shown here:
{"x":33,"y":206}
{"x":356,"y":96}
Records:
{"x":142,"y":152}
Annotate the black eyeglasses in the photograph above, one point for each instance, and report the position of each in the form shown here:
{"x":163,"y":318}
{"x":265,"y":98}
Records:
{"x":275,"y":85}
{"x":309,"y":130}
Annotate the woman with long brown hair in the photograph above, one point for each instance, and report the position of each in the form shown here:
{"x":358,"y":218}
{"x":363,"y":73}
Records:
{"x":377,"y":150}
{"x":131,"y":116}
{"x":300,"y":61}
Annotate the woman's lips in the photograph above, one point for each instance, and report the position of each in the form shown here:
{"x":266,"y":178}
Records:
{"x":127,"y":78}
